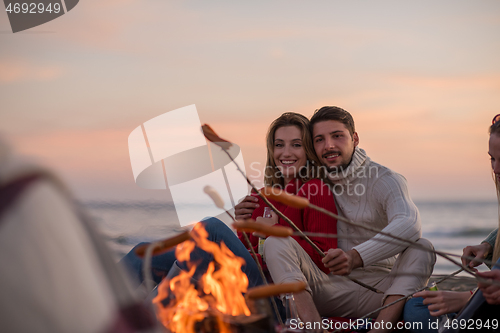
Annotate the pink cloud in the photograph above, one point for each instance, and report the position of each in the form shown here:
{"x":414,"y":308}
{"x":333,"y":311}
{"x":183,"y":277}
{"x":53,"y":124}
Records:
{"x":77,"y":152}
{"x":450,"y":82}
{"x":18,"y":71}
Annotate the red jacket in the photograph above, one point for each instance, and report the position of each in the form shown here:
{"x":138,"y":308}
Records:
{"x":319,"y":194}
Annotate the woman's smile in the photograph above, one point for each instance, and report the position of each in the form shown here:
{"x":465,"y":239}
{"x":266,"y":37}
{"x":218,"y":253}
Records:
{"x":289,"y":154}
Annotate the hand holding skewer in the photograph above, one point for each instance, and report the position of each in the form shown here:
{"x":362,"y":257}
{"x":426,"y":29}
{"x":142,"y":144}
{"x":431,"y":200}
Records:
{"x":340,"y":262}
{"x":442,"y":302}
{"x":270,"y":221}
{"x":491,"y":291}
{"x":245,"y":208}
{"x":480,"y":251}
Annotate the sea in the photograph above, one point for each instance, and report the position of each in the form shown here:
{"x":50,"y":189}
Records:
{"x":450,"y":226}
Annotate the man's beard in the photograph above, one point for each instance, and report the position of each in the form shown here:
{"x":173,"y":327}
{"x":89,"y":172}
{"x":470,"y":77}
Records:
{"x":340,"y":168}
{"x":337,"y":169}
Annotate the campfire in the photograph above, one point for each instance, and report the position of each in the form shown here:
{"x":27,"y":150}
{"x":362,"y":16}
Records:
{"x":212,"y":304}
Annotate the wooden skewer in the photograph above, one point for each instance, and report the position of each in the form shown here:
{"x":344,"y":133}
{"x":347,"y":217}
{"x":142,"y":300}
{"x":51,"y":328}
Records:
{"x":261,"y":271}
{"x":275,"y":289}
{"x":163,"y":245}
{"x":250,"y":225}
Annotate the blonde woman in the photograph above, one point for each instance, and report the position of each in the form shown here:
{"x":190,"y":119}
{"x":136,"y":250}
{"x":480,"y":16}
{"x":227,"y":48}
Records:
{"x":292,"y":165}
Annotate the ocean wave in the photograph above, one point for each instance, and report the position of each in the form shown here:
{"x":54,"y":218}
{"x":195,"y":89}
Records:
{"x":119,"y":205}
{"x":462,"y":232}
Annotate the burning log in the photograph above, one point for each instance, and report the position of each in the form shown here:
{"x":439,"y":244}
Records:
{"x":259,"y":323}
{"x":255,"y":323}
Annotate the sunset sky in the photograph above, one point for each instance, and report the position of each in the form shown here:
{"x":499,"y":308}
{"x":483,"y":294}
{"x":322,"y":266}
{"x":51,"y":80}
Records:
{"x":421,"y":78}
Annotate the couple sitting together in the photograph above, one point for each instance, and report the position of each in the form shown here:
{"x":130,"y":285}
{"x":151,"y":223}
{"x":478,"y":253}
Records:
{"x":320,"y":159}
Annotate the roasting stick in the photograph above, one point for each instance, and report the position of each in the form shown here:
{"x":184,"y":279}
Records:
{"x":407,"y":241}
{"x":277,"y":289}
{"x":299,"y":202}
{"x":163,"y":245}
{"x":224,"y":144}
{"x":261,"y":271}
{"x":403,"y":298}
{"x":146,"y":269}
{"x":155,"y":248}
{"x":214,"y":195}
{"x":482,"y":280}
{"x":324,"y":235}
{"x":275,"y":306}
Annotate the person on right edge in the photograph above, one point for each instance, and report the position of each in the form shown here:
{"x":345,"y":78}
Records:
{"x":427,"y":306}
{"x":366,"y":193}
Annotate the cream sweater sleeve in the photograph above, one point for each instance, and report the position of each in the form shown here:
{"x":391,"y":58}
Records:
{"x":390,"y":195}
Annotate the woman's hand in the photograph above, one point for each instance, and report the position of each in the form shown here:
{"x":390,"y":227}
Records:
{"x":245,"y":208}
{"x":442,"y":302}
{"x":270,"y":221}
{"x":478,"y":251}
{"x":491,"y":292}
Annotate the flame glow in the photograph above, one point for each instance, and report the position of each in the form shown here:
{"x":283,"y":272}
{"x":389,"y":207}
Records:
{"x":219,"y":293}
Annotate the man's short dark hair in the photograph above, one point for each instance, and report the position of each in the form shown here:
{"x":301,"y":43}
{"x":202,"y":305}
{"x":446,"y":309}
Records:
{"x":333,"y":113}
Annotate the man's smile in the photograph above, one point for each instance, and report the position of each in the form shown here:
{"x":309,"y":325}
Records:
{"x":331,"y":156}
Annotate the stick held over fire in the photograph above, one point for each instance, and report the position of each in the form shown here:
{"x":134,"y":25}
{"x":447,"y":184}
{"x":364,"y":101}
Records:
{"x":250,"y":225}
{"x":213,"y":137}
{"x":284,"y":197}
{"x":275,"y":289}
{"x":164,"y":245}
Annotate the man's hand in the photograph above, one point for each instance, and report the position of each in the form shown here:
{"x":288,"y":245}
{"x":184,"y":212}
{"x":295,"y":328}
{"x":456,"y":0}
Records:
{"x":245,"y":208}
{"x":491,"y":292}
{"x":340,"y":262}
{"x":478,"y":251}
{"x":442,"y":302}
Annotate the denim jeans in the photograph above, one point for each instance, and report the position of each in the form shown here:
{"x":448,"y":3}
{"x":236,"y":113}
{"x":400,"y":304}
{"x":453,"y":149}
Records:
{"x":217,"y":232}
{"x":417,"y":313}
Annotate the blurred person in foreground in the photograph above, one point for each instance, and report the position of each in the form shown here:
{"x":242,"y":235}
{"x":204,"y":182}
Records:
{"x":427,"y":306}
{"x":57,"y":275}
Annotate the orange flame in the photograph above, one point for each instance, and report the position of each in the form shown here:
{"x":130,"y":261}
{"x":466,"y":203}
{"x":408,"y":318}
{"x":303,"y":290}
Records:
{"x":220,"y":291}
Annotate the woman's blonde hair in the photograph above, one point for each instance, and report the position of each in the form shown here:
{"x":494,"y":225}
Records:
{"x":495,"y":129}
{"x":272,"y":175}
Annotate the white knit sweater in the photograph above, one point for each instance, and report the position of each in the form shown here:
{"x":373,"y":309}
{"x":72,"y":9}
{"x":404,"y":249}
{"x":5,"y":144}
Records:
{"x":371,"y":194}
